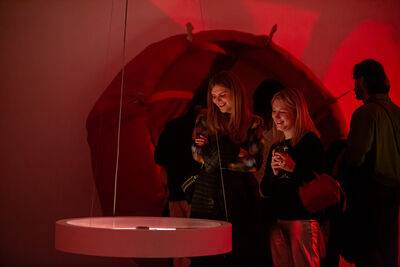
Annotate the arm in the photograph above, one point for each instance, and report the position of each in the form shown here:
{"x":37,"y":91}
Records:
{"x":250,"y":158}
{"x":360,"y":139}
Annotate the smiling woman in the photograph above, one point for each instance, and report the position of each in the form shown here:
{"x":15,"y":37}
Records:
{"x":222,"y":98}
{"x":283,"y":117}
{"x":286,"y":171}
{"x":228,"y":141}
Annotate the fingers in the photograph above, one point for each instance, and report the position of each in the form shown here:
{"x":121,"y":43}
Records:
{"x":277,"y":159}
{"x":282,"y":161}
{"x":281,"y":155}
{"x":276,"y":165}
{"x":201,"y":140}
{"x":286,"y":163}
{"x":275,"y":171}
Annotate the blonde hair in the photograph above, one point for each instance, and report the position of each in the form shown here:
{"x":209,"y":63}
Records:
{"x":236,"y":123}
{"x":295,"y":100}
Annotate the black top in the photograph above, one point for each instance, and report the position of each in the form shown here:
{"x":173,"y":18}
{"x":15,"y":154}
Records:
{"x":282,"y":193}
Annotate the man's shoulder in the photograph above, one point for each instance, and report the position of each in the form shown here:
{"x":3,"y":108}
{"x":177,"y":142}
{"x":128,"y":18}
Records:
{"x":372,"y":111}
{"x":378,"y":106}
{"x":173,"y":124}
{"x":394,"y":108}
{"x":366,"y":110}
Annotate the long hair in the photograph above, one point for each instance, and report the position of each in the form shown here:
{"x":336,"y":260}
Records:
{"x":295,"y":100}
{"x":236,"y":123}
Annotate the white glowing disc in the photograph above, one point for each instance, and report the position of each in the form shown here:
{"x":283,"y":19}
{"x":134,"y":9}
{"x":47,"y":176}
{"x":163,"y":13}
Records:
{"x":143,"y":237}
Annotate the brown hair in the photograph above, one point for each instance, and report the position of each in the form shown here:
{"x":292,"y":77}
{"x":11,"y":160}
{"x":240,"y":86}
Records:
{"x":235,"y":124}
{"x":295,"y":100}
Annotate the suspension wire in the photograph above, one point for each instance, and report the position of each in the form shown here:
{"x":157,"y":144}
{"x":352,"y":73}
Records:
{"x":216,"y":135}
{"x":222,"y":178}
{"x":202,"y":15}
{"x":95,"y":163}
{"x":120,"y":107}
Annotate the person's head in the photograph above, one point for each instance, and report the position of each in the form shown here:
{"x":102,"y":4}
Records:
{"x":227,"y":109}
{"x":369,"y":78}
{"x":262,"y":99}
{"x":290,"y":115}
{"x":198,"y":102}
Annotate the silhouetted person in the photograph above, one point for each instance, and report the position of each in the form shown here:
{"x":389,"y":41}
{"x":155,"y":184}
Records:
{"x":173,"y":152}
{"x":372,"y":167}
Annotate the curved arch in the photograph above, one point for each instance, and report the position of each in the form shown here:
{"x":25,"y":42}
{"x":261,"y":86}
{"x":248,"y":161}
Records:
{"x":175,"y":64}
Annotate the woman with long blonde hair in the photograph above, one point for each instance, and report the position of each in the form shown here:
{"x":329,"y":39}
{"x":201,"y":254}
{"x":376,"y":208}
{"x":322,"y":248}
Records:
{"x":228,"y":141}
{"x":295,"y":236}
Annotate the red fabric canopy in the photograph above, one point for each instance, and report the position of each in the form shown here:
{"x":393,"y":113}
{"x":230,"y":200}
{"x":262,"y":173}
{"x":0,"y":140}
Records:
{"x":157,"y":86}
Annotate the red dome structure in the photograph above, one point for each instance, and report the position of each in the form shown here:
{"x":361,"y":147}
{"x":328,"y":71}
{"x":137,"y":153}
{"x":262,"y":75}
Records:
{"x":158,"y":85}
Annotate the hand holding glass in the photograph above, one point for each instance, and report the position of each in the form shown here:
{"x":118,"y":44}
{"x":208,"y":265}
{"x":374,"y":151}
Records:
{"x":284,"y":150}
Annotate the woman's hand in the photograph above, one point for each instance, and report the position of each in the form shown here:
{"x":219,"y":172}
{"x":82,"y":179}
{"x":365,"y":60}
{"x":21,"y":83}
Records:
{"x":275,"y":163}
{"x":201,"y":140}
{"x":281,"y":161}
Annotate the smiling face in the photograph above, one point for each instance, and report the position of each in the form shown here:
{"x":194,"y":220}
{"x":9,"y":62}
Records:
{"x":222,"y":98}
{"x":284,"y":118}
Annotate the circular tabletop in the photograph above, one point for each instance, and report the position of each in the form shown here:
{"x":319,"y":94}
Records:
{"x":143,"y":237}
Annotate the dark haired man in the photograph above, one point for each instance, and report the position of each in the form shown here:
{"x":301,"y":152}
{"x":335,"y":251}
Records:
{"x":372,"y":164}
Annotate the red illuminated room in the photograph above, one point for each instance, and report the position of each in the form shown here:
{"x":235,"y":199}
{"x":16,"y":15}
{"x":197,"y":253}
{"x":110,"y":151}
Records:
{"x":91,"y":91}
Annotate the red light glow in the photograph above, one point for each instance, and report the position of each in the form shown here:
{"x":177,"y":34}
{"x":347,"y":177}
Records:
{"x":368,"y":40}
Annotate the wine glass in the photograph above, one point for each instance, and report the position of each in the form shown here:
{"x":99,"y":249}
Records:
{"x":284,"y":149}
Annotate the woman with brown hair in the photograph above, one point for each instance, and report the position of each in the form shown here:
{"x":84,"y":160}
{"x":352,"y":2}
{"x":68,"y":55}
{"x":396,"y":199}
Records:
{"x":295,"y":236}
{"x":228,"y":141}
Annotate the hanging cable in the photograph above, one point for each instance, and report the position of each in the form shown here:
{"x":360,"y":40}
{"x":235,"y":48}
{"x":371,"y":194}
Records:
{"x":202,"y":16}
{"x":120,"y":108}
{"x":216,"y":135}
{"x":222,"y":178}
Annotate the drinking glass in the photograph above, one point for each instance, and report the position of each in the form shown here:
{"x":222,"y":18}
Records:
{"x":284,"y":149}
